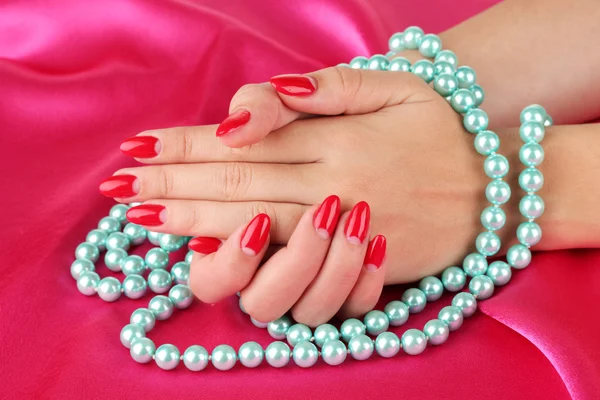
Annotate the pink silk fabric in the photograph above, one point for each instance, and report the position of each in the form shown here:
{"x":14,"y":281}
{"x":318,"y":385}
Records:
{"x":77,"y":77}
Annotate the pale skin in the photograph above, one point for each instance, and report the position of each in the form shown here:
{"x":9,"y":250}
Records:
{"x":396,"y":144}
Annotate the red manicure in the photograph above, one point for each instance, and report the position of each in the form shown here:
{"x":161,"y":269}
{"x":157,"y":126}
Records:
{"x":141,"y":147}
{"x":234,"y":121}
{"x":204,"y":245}
{"x":357,"y":224}
{"x":147,"y":214}
{"x":120,"y":186}
{"x":294,"y":85}
{"x":375,"y":253}
{"x":256,"y":234}
{"x":326,"y":217}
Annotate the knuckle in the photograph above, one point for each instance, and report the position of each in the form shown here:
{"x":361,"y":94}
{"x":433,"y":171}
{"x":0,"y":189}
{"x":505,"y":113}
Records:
{"x":165,"y":182}
{"x":186,"y":143}
{"x":351,"y":81}
{"x":235,"y":179}
{"x":261,"y":207}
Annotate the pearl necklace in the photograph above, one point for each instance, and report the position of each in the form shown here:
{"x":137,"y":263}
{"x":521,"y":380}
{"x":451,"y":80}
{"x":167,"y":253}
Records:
{"x":457,"y":85}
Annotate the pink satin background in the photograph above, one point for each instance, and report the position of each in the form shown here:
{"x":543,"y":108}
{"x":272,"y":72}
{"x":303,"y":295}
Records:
{"x":77,"y":77}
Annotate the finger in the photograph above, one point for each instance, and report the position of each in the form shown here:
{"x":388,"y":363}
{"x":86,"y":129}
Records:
{"x":231,"y":267}
{"x":281,"y":281}
{"x":341,"y":90}
{"x":214,"y":219}
{"x":340,"y":271}
{"x":368,"y":287}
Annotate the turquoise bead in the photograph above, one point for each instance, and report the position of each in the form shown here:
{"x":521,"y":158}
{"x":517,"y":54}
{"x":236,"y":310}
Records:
{"x":223,"y":357}
{"x":529,"y":233}
{"x":277,"y":354}
{"x":497,"y":192}
{"x":117,"y":240}
{"x":444,"y":67}
{"x":135,"y":233}
{"x":78,"y":267}
{"x":324,"y":333}
{"x":298,"y":333}
{"x":445,"y":84}
{"x":171,"y":242}
{"x":181,"y":296}
{"x":396,"y":42}
{"x":518,"y":256}
{"x":475,"y":264}
{"x":532,"y":206}
{"x":531,"y":180}
{"x":242,"y":309}
{"x":258,"y":324}
{"x":436,"y":331}
{"x":361,"y":347}
{"x":119,"y":212}
{"x":87,"y":283}
{"x":462,"y":100}
{"x":414,"y":342}
{"x":466,"y":302}
{"x":161,"y":307}
{"x":376,"y":322}
{"x":359,"y":62}
{"x":251,"y":354}
{"x":109,"y":289}
{"x":389,"y":55}
{"x":432,"y":287}
{"x":493,"y":218}
{"x":481,"y":287}
{"x":130,"y":333}
{"x":188,"y":257}
{"x":486,"y":142}
{"x":378,"y":62}
{"x":113,"y":259}
{"x":159,"y":281}
{"x":466,"y":77}
{"x":478,"y":93}
{"x":531,"y":154}
{"x":351,"y":328}
{"x":333,"y":352}
{"x":412,"y":37}
{"x":180,"y":272}
{"x":87,"y":251}
{"x":535,"y":113}
{"x":167,"y":357}
{"x":487,"y":243}
{"x":97,"y":237}
{"x":532,"y":131}
{"x":415,"y":299}
{"x":278,"y":328}
{"x":454,"y":279}
{"x":399,"y":64}
{"x":496,"y":166}
{"x":424,"y":70}
{"x":499,"y":272}
{"x":430,"y":45}
{"x":153,"y":237}
{"x":157,"y":259}
{"x":549,"y":121}
{"x":195,"y":358}
{"x":387,"y":344}
{"x":397,"y":312}
{"x":109,"y":225}
{"x":448,"y":56}
{"x":305,"y":354}
{"x":133,"y":265}
{"x":142,"y":350}
{"x":143,"y":318}
{"x":343,"y":65}
{"x":476,"y":120}
{"x":451,"y":316}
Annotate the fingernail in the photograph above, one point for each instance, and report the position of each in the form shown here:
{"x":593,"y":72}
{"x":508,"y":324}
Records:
{"x":375,"y":253}
{"x":141,"y":147}
{"x":256,"y":234}
{"x":234,"y":121}
{"x":326,"y":217}
{"x":294,"y":85}
{"x":204,"y":245}
{"x":357,"y":224}
{"x":120,"y":186}
{"x":147,"y":214}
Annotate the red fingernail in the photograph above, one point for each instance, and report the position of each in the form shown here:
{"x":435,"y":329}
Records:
{"x":234,"y":121}
{"x":294,"y":85}
{"x":120,"y":186}
{"x":256,"y":234}
{"x":357,"y":224}
{"x":141,"y":147}
{"x":147,"y":214}
{"x":204,"y":245}
{"x":375,"y":253}
{"x":326,"y":217}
